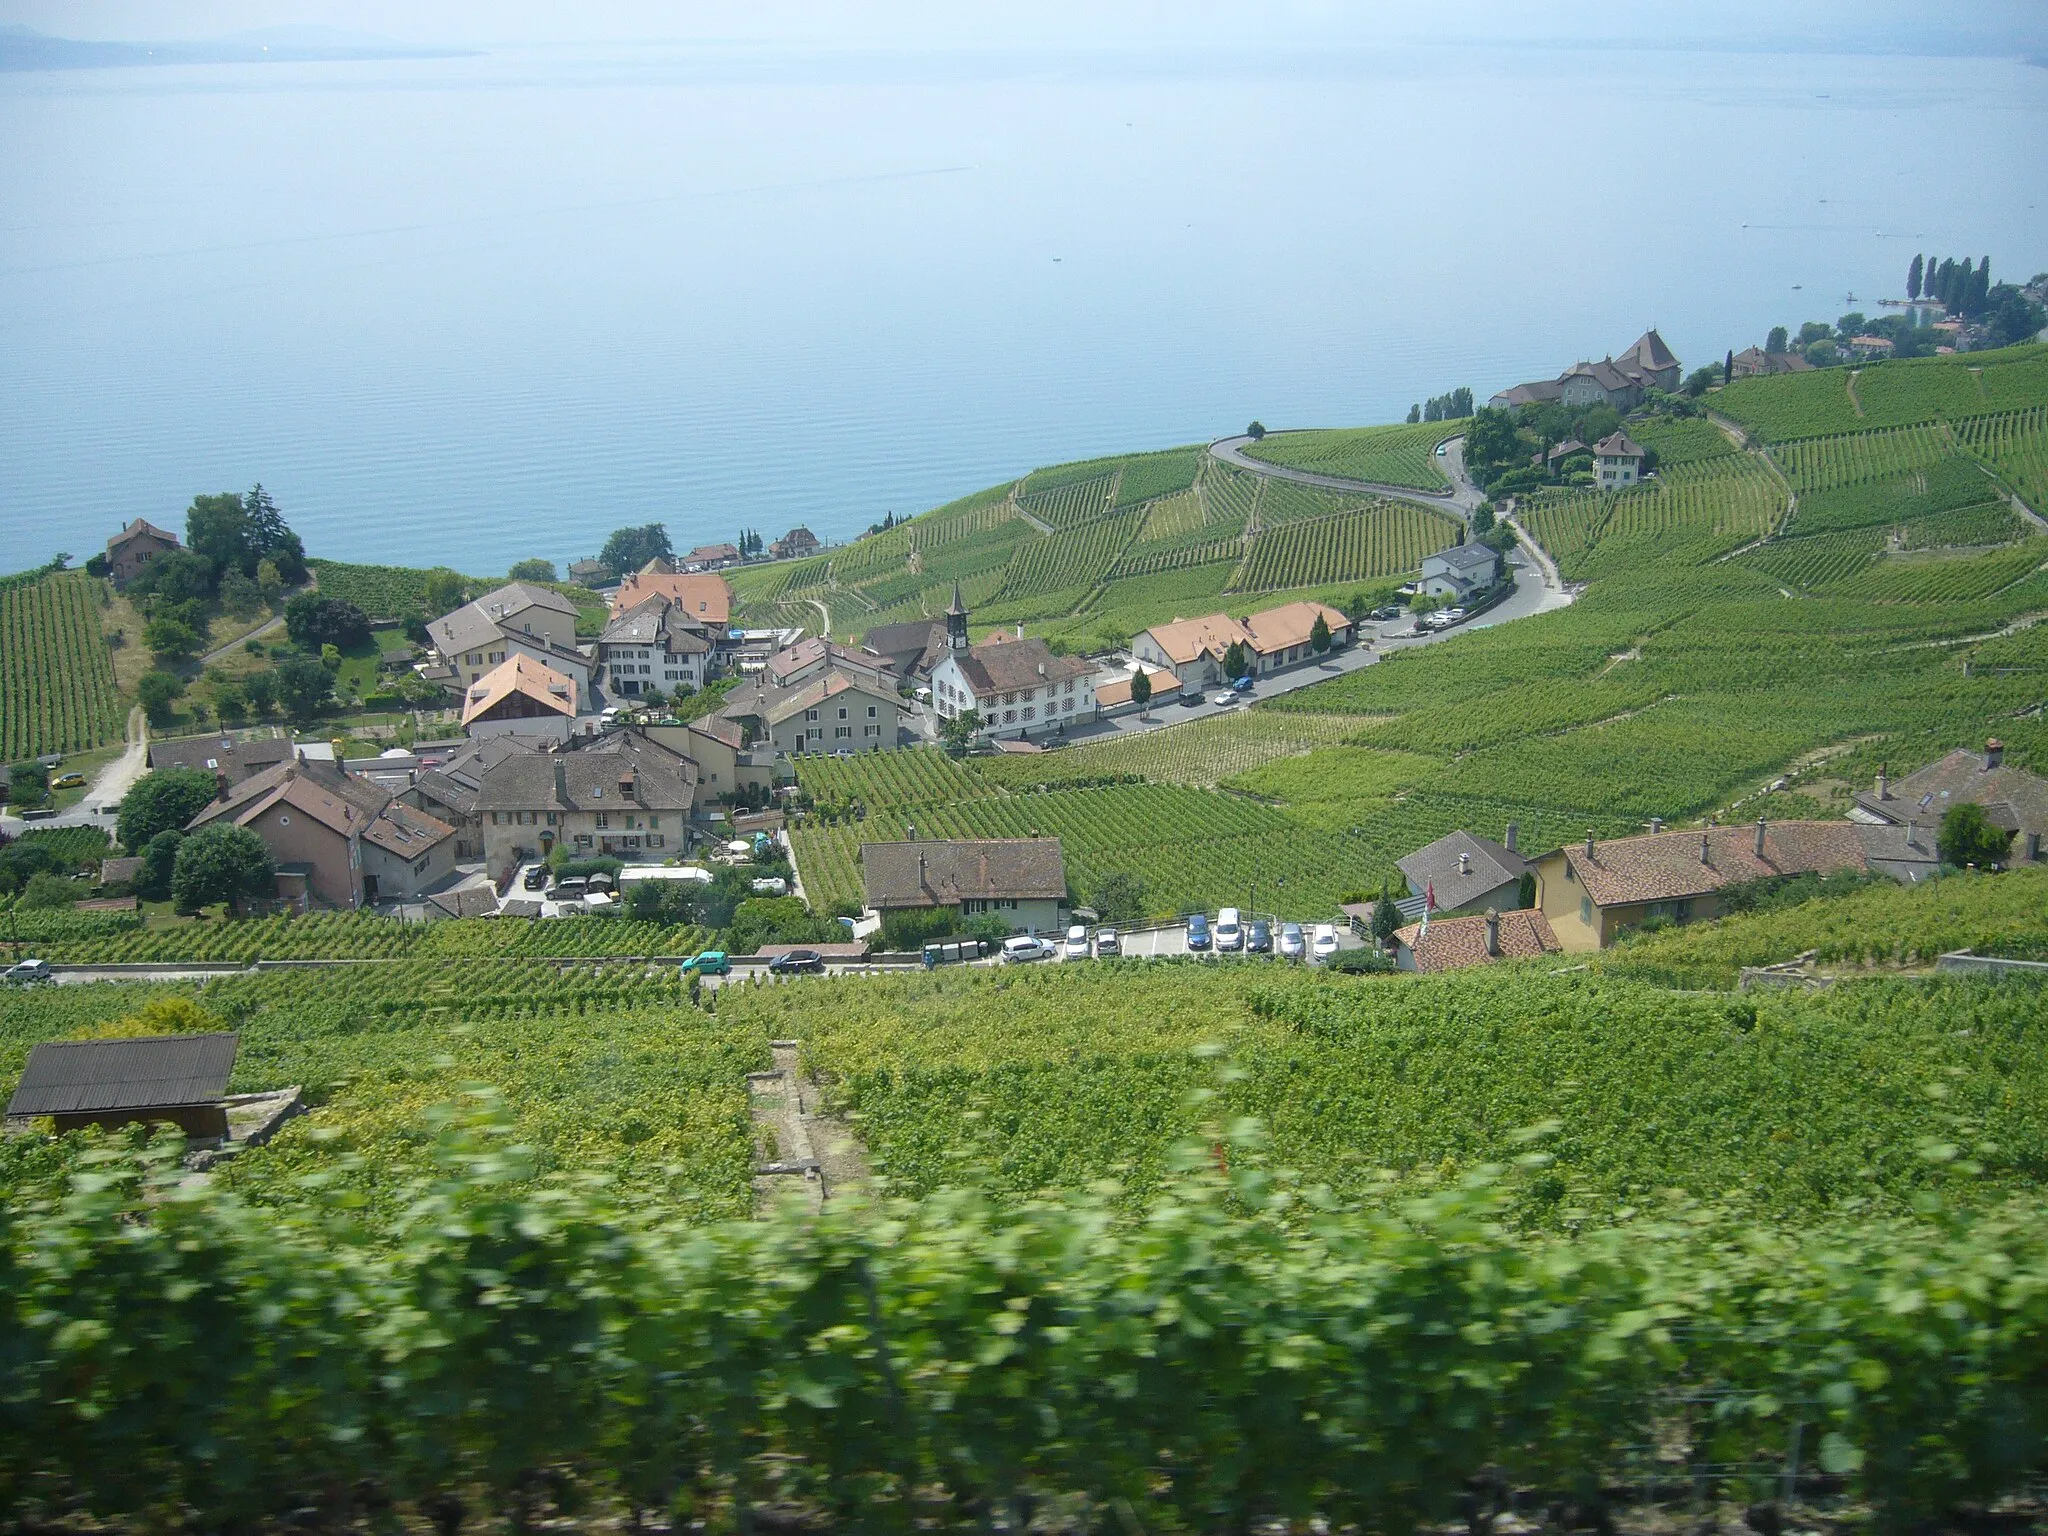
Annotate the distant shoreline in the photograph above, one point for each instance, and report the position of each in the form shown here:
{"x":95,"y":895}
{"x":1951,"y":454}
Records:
{"x":25,"y":52}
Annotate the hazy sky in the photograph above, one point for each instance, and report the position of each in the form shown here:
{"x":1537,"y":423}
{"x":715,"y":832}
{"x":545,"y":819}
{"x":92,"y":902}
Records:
{"x":1965,"y":26}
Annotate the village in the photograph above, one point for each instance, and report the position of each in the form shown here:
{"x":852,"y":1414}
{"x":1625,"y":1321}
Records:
{"x":577,"y":787}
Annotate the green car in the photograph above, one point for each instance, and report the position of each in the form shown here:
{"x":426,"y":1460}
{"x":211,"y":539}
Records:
{"x":709,"y":962}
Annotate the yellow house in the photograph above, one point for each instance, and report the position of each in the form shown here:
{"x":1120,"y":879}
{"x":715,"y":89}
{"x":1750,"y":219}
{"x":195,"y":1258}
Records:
{"x":1593,"y":892}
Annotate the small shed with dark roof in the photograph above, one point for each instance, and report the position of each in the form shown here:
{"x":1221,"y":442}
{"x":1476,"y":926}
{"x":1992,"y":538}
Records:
{"x":157,"y":1079}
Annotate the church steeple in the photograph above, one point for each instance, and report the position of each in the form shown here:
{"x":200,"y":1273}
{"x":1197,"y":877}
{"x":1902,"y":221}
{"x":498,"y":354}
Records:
{"x":956,"y":622}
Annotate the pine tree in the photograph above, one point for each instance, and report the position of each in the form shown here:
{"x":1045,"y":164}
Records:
{"x":1913,"y":279}
{"x":1414,"y":414}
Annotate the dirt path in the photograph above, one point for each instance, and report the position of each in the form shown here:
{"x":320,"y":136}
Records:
{"x":267,"y":627}
{"x":800,"y":1151}
{"x":1853,"y":400}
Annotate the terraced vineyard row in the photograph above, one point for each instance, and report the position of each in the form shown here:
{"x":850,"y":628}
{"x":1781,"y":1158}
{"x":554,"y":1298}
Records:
{"x":1821,"y":463}
{"x":1140,"y":562}
{"x":915,"y":776}
{"x":2015,"y":443}
{"x":1818,"y":560}
{"x":1708,"y":505}
{"x":1954,"y":578}
{"x":359,"y":936}
{"x":57,"y":689}
{"x":1068,"y":506}
{"x":1404,"y":454}
{"x":1285,"y":502}
{"x":1231,"y":494}
{"x":1070,"y":559}
{"x":1387,"y":539}
{"x":1202,"y":752}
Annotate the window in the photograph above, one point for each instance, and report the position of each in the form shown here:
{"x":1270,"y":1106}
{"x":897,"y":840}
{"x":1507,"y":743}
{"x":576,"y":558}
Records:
{"x":810,"y":714}
{"x":1070,"y":685}
{"x":1009,"y":698}
{"x":871,"y":730}
{"x":1067,"y":705}
{"x":1586,"y":910}
{"x":839,"y":732}
{"x":603,"y":820}
{"x":654,"y":821}
{"x":551,"y":818}
{"x":1009,"y":717}
{"x":582,"y":839}
{"x":1029,"y":712}
{"x":871,"y":711}
{"x":842,"y":714}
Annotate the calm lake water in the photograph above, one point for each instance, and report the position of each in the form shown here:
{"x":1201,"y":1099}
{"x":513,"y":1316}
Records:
{"x":470,"y":310}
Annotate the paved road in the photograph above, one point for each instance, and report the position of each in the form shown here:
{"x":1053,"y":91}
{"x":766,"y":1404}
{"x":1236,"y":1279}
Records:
{"x":1537,"y":590}
{"x":268,"y":626}
{"x":106,"y":791}
{"x":1461,"y":498}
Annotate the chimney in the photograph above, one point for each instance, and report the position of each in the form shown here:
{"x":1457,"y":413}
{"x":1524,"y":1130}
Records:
{"x":220,"y":786}
{"x":1706,"y":851}
{"x":1493,"y":933}
{"x":561,"y":785}
{"x":920,"y":871}
{"x":1020,"y":629}
{"x":1589,"y":845}
{"x":1656,"y":825}
{"x":1761,"y":828}
{"x":1994,"y":753}
{"x":1884,"y":783}
{"x":1514,"y":837}
{"x":2033,"y":847}
{"x":1912,"y":833}
{"x":1464,"y":863}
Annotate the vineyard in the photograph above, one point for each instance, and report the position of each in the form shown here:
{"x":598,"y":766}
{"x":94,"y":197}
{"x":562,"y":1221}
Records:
{"x":57,"y":689}
{"x":1399,"y":455}
{"x":1705,"y":507}
{"x":1389,"y":539}
{"x":2015,"y":444}
{"x":82,"y":938}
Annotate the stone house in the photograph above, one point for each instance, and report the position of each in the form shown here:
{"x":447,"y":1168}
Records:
{"x":2014,"y":800}
{"x":515,"y":619}
{"x":1460,"y":571}
{"x":620,"y":794}
{"x":1460,"y":873}
{"x":134,"y":547}
{"x":521,"y":697}
{"x":831,"y":711}
{"x":1022,"y":881}
{"x":655,"y":646}
{"x":1592,"y":893}
{"x":1617,"y":462}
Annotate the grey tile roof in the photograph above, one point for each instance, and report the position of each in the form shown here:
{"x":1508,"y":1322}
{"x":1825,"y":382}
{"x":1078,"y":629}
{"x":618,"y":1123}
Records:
{"x":935,"y":874}
{"x":457,"y":782}
{"x":154,"y":1072}
{"x":658,"y":620}
{"x":2012,"y":798}
{"x":590,"y":779}
{"x":221,"y":754}
{"x":1467,"y":557}
{"x":1008,"y":666}
{"x":1490,"y":865}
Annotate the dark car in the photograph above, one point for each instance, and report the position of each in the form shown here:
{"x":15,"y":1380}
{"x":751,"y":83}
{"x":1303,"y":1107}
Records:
{"x":536,"y":878}
{"x":1390,"y":611}
{"x":1198,"y":931}
{"x":798,"y":962}
{"x":1258,"y":939}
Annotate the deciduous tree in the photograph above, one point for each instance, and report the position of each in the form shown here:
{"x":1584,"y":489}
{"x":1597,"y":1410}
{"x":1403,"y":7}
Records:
{"x":628,"y":549}
{"x":1141,"y":689}
{"x":533,"y":570}
{"x":157,"y":691}
{"x":303,"y":686}
{"x":1777,"y":340}
{"x":221,"y":862}
{"x":162,"y":801}
{"x":1968,"y":837}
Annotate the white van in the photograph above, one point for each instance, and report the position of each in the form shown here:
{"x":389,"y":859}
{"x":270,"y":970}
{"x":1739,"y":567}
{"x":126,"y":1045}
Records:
{"x":1229,"y":932}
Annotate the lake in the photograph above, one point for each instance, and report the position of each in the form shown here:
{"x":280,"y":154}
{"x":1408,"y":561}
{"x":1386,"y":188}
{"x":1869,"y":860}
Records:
{"x":469,"y":310}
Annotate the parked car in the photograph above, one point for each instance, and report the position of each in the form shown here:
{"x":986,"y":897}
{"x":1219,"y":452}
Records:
{"x":28,"y":973}
{"x":1224,"y":698}
{"x":1076,"y":947}
{"x":536,"y":878}
{"x":708,"y":962}
{"x":1325,"y":942}
{"x":1107,"y":943}
{"x":798,"y":962}
{"x":1025,"y":947}
{"x":1452,"y":616}
{"x":571,"y":889}
{"x":1292,"y":945}
{"x":1258,"y":939}
{"x":1198,"y":932}
{"x":1390,"y":611}
{"x":1229,"y":932}
{"x":1244,"y":685}
{"x":68,"y":781}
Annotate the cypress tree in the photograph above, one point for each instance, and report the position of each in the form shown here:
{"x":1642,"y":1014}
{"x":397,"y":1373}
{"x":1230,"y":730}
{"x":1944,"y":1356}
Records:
{"x":1947,"y":291}
{"x":1980,"y":295}
{"x":1913,"y":279}
{"x":1728,"y":367}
